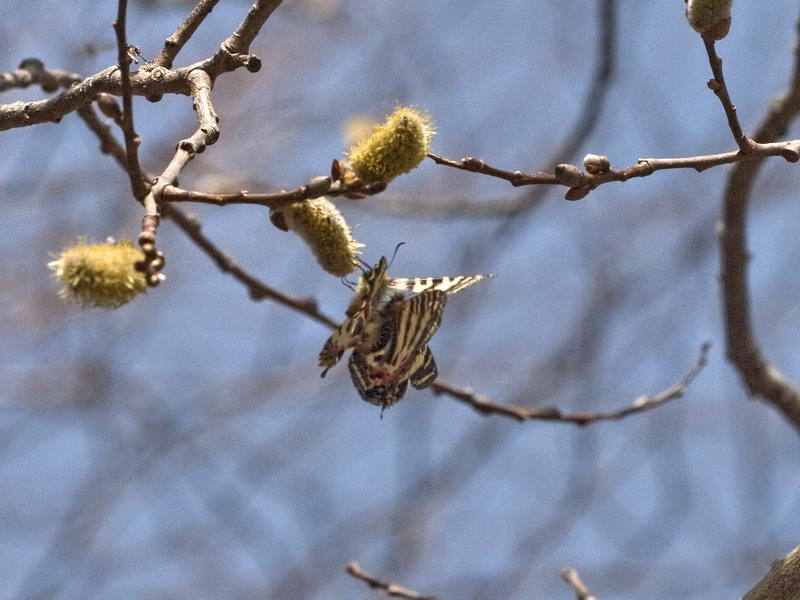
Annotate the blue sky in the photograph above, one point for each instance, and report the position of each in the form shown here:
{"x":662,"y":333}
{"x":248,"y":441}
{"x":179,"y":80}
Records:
{"x":185,"y":445}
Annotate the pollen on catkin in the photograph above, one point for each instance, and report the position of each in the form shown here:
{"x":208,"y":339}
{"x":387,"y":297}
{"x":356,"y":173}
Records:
{"x":99,"y":275}
{"x":324,"y":229}
{"x":394,"y":148}
{"x":711,"y":18}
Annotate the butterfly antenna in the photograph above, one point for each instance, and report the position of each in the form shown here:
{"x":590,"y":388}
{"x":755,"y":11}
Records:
{"x":349,"y":284}
{"x":396,"y":248}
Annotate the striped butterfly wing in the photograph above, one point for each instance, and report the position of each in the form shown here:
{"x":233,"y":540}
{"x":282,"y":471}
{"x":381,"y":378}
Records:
{"x":371,"y":388}
{"x":366,"y":323}
{"x":401,"y":351}
{"x":358,"y":327}
{"x":375,"y":390}
{"x":344,"y":337}
{"x":449,"y":285}
{"x":423,"y":369}
{"x":370,"y":289}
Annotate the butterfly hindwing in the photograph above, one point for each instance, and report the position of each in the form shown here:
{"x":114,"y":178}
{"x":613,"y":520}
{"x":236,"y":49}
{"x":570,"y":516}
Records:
{"x":423,"y":370}
{"x":372,"y":389}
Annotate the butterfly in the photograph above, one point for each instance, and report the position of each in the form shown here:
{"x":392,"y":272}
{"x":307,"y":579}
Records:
{"x":389,"y":332}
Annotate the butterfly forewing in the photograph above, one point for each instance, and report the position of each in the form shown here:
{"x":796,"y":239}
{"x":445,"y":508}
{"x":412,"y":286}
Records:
{"x":357,"y":327}
{"x":449,"y":285}
{"x":406,"y":328}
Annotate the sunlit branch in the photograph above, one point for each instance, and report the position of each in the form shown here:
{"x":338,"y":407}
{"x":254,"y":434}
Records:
{"x":174,"y":43}
{"x":240,"y":40}
{"x":31,"y":71}
{"x":316,"y":187}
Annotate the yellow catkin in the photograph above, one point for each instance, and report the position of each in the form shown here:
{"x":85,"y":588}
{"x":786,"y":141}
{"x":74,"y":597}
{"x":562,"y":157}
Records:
{"x":324,"y":229}
{"x":394,"y":148}
{"x":99,"y":275}
{"x":711,"y":18}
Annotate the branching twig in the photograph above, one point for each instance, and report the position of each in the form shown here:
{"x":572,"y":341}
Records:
{"x":258,"y":290}
{"x":174,"y":43}
{"x":485,"y":406}
{"x":574,"y":580}
{"x":392,"y":589}
{"x":789,"y":150}
{"x":152,"y":80}
{"x":718,"y":86}
{"x":132,"y":140}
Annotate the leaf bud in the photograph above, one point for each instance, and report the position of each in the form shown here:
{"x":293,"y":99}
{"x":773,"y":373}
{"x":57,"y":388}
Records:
{"x":710,"y":18}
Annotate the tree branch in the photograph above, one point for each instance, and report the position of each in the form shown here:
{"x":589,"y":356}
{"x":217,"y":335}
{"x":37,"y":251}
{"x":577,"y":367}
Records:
{"x":644,"y":167}
{"x":392,"y":589}
{"x":782,"y":581}
{"x":718,"y":86}
{"x":174,"y":43}
{"x":760,"y":376}
{"x":574,"y":580}
{"x":486,"y":407}
{"x":240,"y":40}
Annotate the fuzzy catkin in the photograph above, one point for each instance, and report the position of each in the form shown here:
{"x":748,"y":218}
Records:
{"x":99,"y":275}
{"x":394,"y":148}
{"x":324,"y":229}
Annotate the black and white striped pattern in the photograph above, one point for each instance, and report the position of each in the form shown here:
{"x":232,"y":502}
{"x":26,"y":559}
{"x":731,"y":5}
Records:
{"x":401,"y":353}
{"x":389,"y":333}
{"x":449,"y":285}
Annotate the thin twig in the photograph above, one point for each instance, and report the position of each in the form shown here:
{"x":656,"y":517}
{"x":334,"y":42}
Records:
{"x":718,"y":86}
{"x":257,"y":289}
{"x":485,"y":406}
{"x":644,"y":167}
{"x":392,"y":589}
{"x":132,"y":141}
{"x":174,"y":43}
{"x":574,"y":580}
{"x":316,"y":187}
{"x":191,"y":227}
{"x":240,"y":40}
